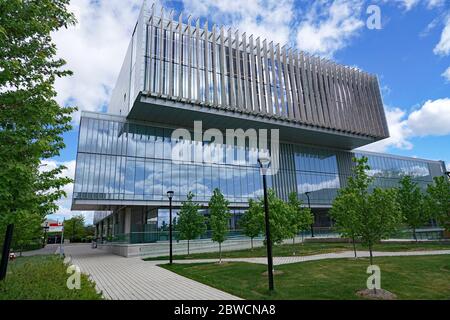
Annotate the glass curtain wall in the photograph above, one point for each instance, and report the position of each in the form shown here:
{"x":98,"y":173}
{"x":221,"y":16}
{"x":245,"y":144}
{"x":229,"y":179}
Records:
{"x":128,"y":161}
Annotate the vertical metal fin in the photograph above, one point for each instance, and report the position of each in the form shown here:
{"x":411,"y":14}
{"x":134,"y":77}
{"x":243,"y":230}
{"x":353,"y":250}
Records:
{"x":252,"y":75}
{"x":274,"y":80}
{"x":205,"y":34}
{"x":267,"y":78}
{"x":262,"y":100}
{"x":232,"y":72}
{"x":223,"y":92}
{"x":189,"y":60}
{"x":180,"y":60}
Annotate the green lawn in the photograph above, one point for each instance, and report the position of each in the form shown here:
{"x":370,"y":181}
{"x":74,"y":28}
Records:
{"x":43,"y":278}
{"x":308,"y":248}
{"x":420,"y":277}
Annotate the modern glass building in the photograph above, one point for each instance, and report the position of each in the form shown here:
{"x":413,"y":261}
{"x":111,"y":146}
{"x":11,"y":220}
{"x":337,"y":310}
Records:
{"x":180,"y":71}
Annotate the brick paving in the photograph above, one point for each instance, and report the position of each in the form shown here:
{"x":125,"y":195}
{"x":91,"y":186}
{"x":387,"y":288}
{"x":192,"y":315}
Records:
{"x":120,"y":278}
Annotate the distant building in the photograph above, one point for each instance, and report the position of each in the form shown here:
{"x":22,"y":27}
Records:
{"x":54,"y":229}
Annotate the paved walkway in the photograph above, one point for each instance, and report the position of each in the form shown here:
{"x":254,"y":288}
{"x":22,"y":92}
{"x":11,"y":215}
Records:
{"x":134,"y":279}
{"x":121,"y":278}
{"x":48,"y":249}
{"x":339,"y":255}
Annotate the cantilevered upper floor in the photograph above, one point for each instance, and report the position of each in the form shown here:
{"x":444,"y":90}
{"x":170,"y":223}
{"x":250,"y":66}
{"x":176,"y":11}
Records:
{"x":181,"y":70}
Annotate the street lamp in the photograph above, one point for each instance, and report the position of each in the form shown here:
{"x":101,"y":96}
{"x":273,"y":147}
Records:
{"x":309,"y":206}
{"x":170,"y":196}
{"x":46,"y":227}
{"x":264,"y":163}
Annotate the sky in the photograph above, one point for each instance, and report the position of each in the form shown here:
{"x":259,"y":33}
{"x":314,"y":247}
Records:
{"x":409,"y":50}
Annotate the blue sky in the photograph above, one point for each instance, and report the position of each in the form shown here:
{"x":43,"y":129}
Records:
{"x":410,"y":54}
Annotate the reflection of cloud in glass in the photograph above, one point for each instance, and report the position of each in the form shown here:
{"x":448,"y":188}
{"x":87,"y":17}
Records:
{"x":325,"y":183}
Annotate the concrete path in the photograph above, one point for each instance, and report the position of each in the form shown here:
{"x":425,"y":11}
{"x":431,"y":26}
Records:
{"x":48,"y":249}
{"x":295,"y":259}
{"x":122,"y":278}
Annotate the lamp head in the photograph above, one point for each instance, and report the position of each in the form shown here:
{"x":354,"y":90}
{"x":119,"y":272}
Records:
{"x":170,"y":194}
{"x":264,"y":161}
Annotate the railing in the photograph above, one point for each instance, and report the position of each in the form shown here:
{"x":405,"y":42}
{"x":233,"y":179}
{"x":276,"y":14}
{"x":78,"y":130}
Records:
{"x":421,"y":234}
{"x":319,"y":232}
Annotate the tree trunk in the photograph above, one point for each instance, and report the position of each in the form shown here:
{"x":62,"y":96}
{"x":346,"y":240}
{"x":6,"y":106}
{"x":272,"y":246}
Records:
{"x":188,"y":246}
{"x":251,"y":241}
{"x":220,"y":252}
{"x":414,"y":234}
{"x":293,"y":240}
{"x":354,"y":247}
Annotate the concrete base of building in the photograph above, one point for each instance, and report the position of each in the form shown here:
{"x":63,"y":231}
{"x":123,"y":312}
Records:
{"x":161,"y":248}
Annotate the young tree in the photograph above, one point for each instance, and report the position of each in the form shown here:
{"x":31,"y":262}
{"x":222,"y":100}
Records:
{"x":280,"y":214}
{"x":438,"y":201}
{"x":31,"y":121}
{"x":380,"y":218}
{"x":301,"y":218}
{"x":252,"y":221}
{"x":191,"y":224}
{"x":412,"y":205}
{"x":219,"y":218}
{"x":351,"y":201}
{"x":345,"y":216}
{"x":74,"y":228}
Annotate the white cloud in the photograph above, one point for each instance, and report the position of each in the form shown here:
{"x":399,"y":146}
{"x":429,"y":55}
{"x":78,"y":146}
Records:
{"x":408,"y":4}
{"x":66,"y":202}
{"x":435,"y":3}
{"x":432,"y":119}
{"x":269,"y":19}
{"x":443,"y":47}
{"x":94,"y":50}
{"x":329,"y":26}
{"x":399,"y":132}
{"x":446,"y":74}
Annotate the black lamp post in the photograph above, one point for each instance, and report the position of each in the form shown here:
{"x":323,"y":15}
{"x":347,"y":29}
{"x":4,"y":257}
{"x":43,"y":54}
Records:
{"x":264,"y":164}
{"x":309,"y":206}
{"x":46,"y":227}
{"x":170,"y":196}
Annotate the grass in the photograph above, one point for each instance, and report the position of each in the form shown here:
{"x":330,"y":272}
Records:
{"x":418,"y":277}
{"x":307,"y":248}
{"x":43,"y":278}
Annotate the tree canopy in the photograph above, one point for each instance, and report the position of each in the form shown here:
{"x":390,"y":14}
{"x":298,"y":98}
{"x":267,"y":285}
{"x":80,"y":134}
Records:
{"x":280,"y":215}
{"x":351,"y":201}
{"x":252,"y":221}
{"x":411,"y":203}
{"x":301,"y":218}
{"x":74,"y":228}
{"x":31,"y":121}
{"x":364,"y":215}
{"x":190,"y":223}
{"x":219,"y":218}
{"x":438,"y":201}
